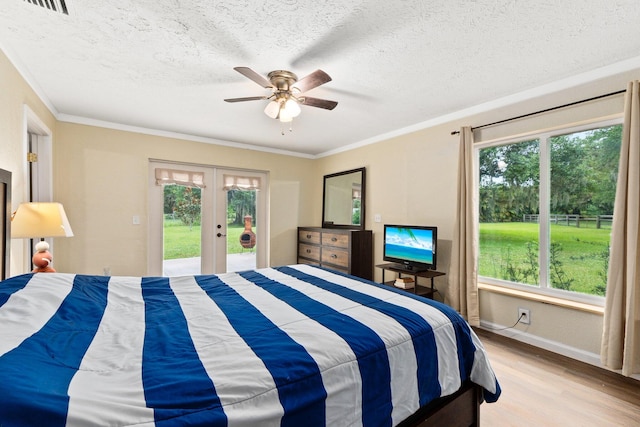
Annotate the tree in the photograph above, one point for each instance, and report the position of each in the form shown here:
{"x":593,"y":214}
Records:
{"x":239,"y":204}
{"x":603,"y":160}
{"x":188,"y":208}
{"x":171,"y":195}
{"x":569,"y":176}
{"x":509,"y":181}
{"x":584,"y":169}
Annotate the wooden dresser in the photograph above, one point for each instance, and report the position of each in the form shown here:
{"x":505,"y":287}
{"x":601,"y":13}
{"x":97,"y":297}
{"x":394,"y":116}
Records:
{"x":348,"y":251}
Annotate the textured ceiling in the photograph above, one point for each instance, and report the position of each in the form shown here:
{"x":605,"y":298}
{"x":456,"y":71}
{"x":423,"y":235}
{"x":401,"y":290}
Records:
{"x":167,"y":65}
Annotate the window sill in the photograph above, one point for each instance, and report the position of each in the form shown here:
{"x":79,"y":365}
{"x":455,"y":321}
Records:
{"x":546,"y":299}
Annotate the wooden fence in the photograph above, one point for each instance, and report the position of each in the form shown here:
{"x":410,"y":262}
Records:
{"x":600,"y":221}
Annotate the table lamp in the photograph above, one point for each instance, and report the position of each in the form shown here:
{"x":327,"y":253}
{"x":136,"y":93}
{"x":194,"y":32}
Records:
{"x":39,"y":220}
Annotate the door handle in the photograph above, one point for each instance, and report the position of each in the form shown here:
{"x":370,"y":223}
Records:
{"x":220,"y":235}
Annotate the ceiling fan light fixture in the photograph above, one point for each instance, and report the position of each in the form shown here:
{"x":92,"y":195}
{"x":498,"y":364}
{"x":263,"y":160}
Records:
{"x":292,"y":107}
{"x":284,"y":115}
{"x":272,"y":109}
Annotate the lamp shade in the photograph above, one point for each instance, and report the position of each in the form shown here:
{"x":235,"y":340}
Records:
{"x":37,"y":220}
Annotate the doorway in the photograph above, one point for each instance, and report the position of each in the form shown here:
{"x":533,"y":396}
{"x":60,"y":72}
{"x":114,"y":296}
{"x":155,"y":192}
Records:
{"x":205,"y":219}
{"x":38,"y":174}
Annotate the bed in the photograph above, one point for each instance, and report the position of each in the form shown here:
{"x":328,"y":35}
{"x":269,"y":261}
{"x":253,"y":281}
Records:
{"x":283,"y":346}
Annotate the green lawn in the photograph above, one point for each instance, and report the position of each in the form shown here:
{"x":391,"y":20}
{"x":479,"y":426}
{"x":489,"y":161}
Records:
{"x":582,"y":254}
{"x":182,"y":242}
{"x":502,"y":245}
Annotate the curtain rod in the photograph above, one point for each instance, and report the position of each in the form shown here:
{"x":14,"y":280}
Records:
{"x":455,"y":132}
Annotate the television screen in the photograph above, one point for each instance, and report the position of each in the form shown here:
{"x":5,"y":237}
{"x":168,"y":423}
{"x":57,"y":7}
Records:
{"x":412,"y":246}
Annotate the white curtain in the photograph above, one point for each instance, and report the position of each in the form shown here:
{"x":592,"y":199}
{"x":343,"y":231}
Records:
{"x":621,"y":331}
{"x":179,"y":177}
{"x":462,"y":292}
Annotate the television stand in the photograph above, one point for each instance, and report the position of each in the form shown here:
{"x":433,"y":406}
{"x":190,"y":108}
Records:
{"x":417,"y":289}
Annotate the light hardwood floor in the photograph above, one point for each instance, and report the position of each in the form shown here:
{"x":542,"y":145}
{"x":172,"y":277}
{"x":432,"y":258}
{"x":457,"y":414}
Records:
{"x":540,"y":388}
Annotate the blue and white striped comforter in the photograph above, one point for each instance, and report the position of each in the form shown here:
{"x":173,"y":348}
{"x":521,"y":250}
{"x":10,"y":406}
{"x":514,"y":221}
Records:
{"x":291,"y":346}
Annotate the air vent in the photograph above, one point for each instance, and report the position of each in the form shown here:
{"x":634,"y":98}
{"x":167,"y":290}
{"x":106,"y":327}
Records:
{"x":55,"y":5}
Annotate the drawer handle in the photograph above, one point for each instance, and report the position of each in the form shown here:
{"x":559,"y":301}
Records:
{"x":308,"y":251}
{"x":334,"y":256}
{"x":334,"y":239}
{"x":308,"y":236}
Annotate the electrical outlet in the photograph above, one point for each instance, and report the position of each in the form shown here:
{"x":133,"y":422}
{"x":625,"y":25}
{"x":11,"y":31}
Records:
{"x":524,"y":316}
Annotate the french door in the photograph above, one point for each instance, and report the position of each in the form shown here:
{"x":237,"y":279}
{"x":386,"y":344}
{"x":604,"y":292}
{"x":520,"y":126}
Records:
{"x":205,"y":220}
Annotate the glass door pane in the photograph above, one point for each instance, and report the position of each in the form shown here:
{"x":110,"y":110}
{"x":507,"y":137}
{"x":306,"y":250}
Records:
{"x":182,"y":239}
{"x":242,"y":232}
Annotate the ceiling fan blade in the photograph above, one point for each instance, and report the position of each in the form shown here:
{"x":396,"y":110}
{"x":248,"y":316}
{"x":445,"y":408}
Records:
{"x":250,"y":74}
{"x":248,"y":98}
{"x":317,"y":102}
{"x":314,"y":79}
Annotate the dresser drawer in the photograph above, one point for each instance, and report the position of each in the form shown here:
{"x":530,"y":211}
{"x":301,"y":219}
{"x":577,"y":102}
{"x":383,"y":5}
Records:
{"x":334,"y":239}
{"x":335,"y":256}
{"x":308,"y":236}
{"x":348,"y":251}
{"x":309,"y":251}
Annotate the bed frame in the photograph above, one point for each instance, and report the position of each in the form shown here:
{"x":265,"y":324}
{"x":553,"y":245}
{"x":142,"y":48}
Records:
{"x":461,"y":409}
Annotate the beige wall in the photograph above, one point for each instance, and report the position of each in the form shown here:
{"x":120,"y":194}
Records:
{"x":15,"y":96}
{"x":100,"y":176}
{"x":572,"y":332}
{"x":412,"y":179}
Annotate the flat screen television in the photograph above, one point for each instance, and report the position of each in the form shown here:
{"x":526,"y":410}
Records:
{"x":413,"y":247}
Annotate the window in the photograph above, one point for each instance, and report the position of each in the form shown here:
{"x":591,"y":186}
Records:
{"x":546,"y":208}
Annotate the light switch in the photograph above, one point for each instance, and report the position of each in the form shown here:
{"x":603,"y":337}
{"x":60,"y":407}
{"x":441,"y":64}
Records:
{"x":136,"y":220}
{"x":377,"y":218}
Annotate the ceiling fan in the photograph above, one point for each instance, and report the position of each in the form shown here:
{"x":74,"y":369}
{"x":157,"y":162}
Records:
{"x":287,"y":90}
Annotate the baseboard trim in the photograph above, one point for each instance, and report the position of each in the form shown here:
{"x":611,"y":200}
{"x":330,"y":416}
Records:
{"x":549,"y":345}
{"x":587,"y":357}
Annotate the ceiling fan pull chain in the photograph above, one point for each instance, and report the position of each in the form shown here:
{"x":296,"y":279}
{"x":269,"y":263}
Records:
{"x":282,"y":127}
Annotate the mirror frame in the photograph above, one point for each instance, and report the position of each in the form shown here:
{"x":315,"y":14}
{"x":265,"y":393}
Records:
{"x":331,"y":224}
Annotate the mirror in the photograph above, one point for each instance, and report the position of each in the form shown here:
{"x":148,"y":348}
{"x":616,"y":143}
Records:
{"x":343,"y":200}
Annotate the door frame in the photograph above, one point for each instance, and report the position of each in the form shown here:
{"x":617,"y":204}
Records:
{"x":36,"y":138}
{"x":262,"y":212}
{"x":212,"y":196}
